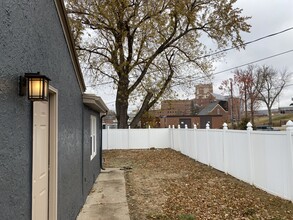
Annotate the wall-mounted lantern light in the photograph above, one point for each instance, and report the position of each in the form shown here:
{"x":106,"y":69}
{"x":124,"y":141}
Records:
{"x":37,"y":86}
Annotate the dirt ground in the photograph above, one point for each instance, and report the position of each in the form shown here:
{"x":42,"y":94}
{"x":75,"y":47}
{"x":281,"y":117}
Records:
{"x":164,"y":184}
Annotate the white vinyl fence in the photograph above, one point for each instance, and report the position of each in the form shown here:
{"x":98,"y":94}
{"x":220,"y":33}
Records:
{"x":136,"y":138}
{"x":261,"y":158}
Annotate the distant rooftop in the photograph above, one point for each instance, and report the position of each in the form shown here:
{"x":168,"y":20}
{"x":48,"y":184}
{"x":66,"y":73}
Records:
{"x":208,"y":108}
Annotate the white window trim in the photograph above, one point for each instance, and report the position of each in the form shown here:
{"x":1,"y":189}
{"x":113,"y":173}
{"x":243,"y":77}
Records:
{"x":93,"y":136}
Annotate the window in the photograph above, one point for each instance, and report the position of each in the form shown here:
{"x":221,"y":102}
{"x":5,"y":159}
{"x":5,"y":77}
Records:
{"x":93,"y":136}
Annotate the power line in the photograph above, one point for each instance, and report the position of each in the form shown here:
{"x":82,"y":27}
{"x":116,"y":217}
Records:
{"x":246,"y":43}
{"x":267,"y":36}
{"x":226,"y":70}
{"x":246,"y":64}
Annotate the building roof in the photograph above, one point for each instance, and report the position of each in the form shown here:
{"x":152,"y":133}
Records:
{"x":70,"y":43}
{"x":95,"y":102}
{"x":210,"y":107}
{"x":91,"y":100}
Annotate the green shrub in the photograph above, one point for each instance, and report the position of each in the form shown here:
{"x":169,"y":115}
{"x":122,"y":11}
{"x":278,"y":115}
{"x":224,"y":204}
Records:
{"x":243,"y":123}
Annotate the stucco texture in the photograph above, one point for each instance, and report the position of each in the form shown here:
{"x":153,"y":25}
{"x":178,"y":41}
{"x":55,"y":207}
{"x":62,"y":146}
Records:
{"x":90,"y":169}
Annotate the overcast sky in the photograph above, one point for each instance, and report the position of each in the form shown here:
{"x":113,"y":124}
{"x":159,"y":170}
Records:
{"x":268,"y":17}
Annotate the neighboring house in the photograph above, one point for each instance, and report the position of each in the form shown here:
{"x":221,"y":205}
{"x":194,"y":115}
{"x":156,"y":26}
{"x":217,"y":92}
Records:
{"x":205,"y":107}
{"x":181,"y":121}
{"x":110,"y":120}
{"x":61,"y":135}
{"x":211,"y":111}
{"x":213,"y":108}
{"x":179,"y":112}
{"x":204,"y":95}
{"x":215,"y":121}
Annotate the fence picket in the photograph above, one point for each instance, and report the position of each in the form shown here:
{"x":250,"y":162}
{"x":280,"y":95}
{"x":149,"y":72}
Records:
{"x":289,"y":130}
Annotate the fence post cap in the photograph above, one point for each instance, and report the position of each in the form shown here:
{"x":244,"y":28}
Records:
{"x":225,"y":126}
{"x":207,"y":125}
{"x":249,"y":126}
{"x":289,"y":125}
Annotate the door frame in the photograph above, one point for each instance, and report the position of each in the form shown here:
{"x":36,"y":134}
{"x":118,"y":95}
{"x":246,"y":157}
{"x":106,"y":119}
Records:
{"x":52,"y":154}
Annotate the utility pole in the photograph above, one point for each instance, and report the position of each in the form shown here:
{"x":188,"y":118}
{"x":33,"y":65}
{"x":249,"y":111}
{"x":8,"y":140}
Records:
{"x":231,"y":87}
{"x":245,"y":98}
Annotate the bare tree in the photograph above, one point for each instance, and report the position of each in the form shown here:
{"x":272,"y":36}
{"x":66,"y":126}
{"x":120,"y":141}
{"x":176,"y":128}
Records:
{"x":271,"y":84}
{"x":248,"y":83}
{"x":142,"y":45}
{"x":242,"y":80}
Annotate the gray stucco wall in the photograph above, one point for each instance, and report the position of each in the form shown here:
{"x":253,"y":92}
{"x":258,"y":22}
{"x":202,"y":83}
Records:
{"x":31,"y":40}
{"x":91,"y":168}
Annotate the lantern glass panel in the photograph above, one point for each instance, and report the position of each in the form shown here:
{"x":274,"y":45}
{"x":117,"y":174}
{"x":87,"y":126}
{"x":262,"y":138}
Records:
{"x":38,"y":88}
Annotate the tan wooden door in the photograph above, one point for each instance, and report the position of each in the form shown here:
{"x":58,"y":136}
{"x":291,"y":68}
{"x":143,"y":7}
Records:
{"x":40,"y":172}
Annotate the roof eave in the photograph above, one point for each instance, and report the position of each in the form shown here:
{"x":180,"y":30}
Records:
{"x":70,"y":43}
{"x":95,"y":103}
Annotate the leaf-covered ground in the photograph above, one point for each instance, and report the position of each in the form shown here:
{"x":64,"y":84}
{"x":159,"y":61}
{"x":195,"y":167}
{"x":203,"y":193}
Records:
{"x":164,"y":184}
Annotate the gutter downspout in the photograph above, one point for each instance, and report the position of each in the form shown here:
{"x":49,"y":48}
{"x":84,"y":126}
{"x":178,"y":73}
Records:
{"x":101,"y":142}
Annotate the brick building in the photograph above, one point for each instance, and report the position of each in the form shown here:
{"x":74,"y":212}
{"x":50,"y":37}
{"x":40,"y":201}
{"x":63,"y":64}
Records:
{"x":205,"y":107}
{"x":215,"y":121}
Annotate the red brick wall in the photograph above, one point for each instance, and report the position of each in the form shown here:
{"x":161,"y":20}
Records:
{"x":175,"y":107}
{"x":217,"y":121}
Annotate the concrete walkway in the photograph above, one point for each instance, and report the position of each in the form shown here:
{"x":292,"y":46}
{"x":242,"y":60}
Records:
{"x":107,"y":200}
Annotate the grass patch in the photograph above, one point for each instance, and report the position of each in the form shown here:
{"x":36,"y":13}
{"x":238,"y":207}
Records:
{"x":277,"y":118}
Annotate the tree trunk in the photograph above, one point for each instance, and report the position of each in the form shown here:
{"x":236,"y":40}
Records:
{"x":270,"y":116}
{"x":144,"y":108}
{"x":245,"y":101}
{"x":147,"y":103}
{"x":122,"y":98}
{"x":122,"y":116}
{"x":252,"y":112}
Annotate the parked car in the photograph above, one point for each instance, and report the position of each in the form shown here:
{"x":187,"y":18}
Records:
{"x":265,"y":128}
